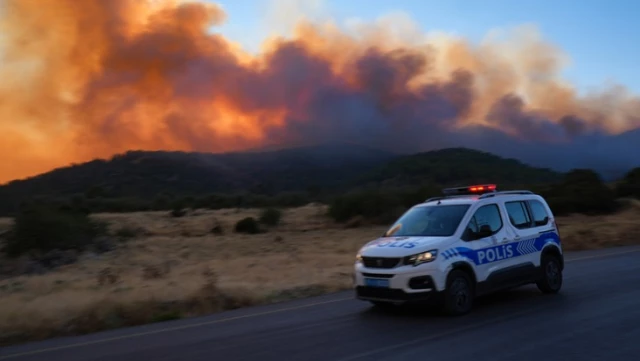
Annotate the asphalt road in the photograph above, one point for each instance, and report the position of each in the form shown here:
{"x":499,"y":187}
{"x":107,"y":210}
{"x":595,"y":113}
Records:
{"x":596,"y":317}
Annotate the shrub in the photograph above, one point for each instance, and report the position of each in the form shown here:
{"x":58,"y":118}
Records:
{"x":217,"y":229}
{"x":271,"y":216}
{"x":581,"y":191}
{"x":167,"y":316}
{"x":247,"y":225}
{"x":629,"y":186}
{"x":378,"y":206}
{"x":381,"y":206}
{"x":178,"y":212}
{"x":42,"y":229}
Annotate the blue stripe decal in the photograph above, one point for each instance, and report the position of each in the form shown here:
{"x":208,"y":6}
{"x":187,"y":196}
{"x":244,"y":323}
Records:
{"x":500,"y":252}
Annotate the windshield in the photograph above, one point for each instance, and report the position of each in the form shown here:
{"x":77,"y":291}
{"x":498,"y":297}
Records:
{"x":425,"y":221}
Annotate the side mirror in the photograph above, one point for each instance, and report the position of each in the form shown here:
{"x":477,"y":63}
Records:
{"x":468,"y":235}
{"x":485,"y":231}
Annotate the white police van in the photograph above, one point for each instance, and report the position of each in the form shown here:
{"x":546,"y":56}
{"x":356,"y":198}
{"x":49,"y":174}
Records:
{"x":471,"y":241}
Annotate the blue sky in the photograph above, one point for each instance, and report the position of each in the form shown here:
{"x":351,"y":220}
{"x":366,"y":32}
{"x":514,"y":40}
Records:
{"x":601,"y":37}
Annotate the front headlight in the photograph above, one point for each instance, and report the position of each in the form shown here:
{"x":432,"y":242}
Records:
{"x":420,"y":258}
{"x":358,"y":258}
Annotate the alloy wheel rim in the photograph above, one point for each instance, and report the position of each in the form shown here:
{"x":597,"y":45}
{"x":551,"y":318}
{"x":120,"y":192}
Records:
{"x":553,"y":274}
{"x":461,"y":294}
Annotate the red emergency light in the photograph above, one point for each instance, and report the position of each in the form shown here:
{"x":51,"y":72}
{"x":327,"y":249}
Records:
{"x":488,"y":187}
{"x":474,"y":189}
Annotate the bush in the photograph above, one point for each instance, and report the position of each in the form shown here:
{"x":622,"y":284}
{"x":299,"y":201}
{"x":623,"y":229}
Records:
{"x":42,"y":229}
{"x":581,"y":191}
{"x":629,"y":186}
{"x":271,"y":216}
{"x":247,"y":225}
{"x":178,"y":212}
{"x":381,"y":206}
{"x":217,"y":229}
{"x":374,"y":205}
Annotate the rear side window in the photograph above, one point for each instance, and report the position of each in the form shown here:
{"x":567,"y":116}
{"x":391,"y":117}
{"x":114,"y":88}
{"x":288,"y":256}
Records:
{"x":539,"y":213}
{"x":518,"y":214}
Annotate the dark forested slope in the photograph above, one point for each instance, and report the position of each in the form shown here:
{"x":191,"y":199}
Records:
{"x":327,"y":169}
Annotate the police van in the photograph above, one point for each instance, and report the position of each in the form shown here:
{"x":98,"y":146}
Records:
{"x":469,"y":242}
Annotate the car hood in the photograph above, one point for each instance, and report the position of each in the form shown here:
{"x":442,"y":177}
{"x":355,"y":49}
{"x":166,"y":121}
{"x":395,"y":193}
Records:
{"x":402,"y":246}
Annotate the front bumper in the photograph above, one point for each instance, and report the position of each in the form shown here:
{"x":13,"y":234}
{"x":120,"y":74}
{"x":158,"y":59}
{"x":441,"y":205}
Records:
{"x":404,"y":284}
{"x":397,"y":296}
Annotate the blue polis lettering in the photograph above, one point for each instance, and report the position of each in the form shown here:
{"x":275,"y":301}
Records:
{"x":495,"y":254}
{"x":397,"y":244}
{"x":500,"y":252}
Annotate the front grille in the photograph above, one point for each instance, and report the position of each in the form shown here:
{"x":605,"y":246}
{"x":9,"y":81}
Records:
{"x":377,"y":275}
{"x":380,"y":262}
{"x":384,"y":293}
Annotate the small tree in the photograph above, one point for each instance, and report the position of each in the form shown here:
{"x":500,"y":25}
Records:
{"x":581,"y":191}
{"x":629,"y":186}
{"x":271,"y":216}
{"x":247,"y":225}
{"x":378,"y":206}
{"x":178,"y":212}
{"x":42,"y":229}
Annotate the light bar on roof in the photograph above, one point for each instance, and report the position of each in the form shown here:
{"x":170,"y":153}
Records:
{"x":473,"y":189}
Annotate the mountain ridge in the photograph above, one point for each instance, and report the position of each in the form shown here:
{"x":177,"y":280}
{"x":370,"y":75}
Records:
{"x":333,"y":166}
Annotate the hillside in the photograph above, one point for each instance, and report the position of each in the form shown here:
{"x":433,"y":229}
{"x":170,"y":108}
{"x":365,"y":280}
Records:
{"x":324,"y":169}
{"x":146,"y":173}
{"x":457,"y":167}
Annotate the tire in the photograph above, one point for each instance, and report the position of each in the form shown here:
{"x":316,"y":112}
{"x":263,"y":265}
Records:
{"x":459,"y":294}
{"x":551,"y":279}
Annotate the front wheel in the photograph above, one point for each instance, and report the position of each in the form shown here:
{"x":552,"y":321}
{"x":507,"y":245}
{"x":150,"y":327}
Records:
{"x":551,"y":279}
{"x":458,"y":296}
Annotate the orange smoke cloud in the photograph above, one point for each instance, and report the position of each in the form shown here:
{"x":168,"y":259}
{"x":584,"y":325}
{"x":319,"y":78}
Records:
{"x":91,"y":78}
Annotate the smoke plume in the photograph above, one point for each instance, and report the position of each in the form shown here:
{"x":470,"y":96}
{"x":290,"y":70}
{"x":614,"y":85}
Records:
{"x":91,"y":78}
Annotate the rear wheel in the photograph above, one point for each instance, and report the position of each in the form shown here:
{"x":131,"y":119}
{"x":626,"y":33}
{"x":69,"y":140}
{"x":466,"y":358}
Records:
{"x":551,"y":279}
{"x":459,"y":295}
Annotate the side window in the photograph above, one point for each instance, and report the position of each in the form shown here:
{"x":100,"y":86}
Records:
{"x":539,"y":213}
{"x":518,"y":214}
{"x":486,"y":219}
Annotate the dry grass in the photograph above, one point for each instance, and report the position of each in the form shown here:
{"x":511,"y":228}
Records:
{"x":176,"y":267}
{"x":581,"y":232}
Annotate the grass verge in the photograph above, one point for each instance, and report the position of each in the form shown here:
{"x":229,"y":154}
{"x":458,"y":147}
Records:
{"x":176,"y":267}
